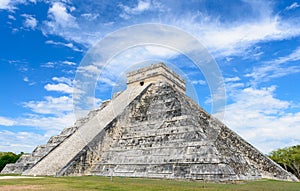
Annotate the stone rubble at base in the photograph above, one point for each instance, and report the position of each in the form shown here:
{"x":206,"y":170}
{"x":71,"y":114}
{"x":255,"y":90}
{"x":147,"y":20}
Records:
{"x":152,"y":129}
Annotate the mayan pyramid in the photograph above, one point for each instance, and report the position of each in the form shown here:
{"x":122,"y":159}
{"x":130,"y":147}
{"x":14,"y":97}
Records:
{"x":151,"y":129}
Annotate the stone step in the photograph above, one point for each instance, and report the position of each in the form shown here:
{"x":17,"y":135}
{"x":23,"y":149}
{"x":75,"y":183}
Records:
{"x":167,"y":145}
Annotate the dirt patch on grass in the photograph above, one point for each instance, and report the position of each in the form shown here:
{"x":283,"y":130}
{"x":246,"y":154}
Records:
{"x":16,"y":177}
{"x":20,"y":187}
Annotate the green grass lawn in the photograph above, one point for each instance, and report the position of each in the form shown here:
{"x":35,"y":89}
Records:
{"x":130,"y":184}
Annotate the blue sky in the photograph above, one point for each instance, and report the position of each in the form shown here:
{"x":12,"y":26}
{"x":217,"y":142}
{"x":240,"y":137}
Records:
{"x":256,"y":45}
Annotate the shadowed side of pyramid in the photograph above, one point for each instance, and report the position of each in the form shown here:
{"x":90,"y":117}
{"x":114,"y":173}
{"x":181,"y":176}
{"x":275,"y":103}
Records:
{"x":153,"y":129}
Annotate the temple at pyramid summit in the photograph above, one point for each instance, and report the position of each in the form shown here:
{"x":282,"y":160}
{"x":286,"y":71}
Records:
{"x":151,"y":129}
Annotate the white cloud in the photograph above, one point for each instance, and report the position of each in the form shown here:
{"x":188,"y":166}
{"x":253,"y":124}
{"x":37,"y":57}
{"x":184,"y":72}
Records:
{"x":221,"y":38}
{"x":51,"y":105}
{"x":29,"y":82}
{"x":51,"y":115}
{"x":200,"y":82}
{"x":112,"y":71}
{"x":4,"y":4}
{"x":62,"y":23}
{"x":160,"y":51}
{"x":63,"y":80}
{"x":60,"y":87}
{"x":54,"y":64}
{"x":58,"y":12}
{"x":26,"y":141}
{"x":107,"y":81}
{"x":20,"y":141}
{"x":90,"y":16}
{"x":294,"y":56}
{"x":6,"y":122}
{"x":141,"y":6}
{"x":233,"y":79}
{"x":230,"y":40}
{"x":234,"y":38}
{"x":69,"y":45}
{"x":69,"y":63}
{"x":48,"y":65}
{"x":51,"y":125}
{"x":293,"y":6}
{"x":11,"y":4}
{"x":276,"y":68}
{"x":259,"y":117}
{"x":94,"y":101}
{"x":30,"y":21}
{"x":11,"y":17}
{"x":89,"y":70}
{"x":128,"y":11}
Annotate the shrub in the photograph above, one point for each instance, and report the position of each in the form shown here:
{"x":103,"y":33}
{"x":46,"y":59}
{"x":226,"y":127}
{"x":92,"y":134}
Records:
{"x":8,"y":157}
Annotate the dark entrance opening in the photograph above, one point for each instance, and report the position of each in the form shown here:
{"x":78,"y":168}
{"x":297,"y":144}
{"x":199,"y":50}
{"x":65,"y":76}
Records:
{"x":141,"y":83}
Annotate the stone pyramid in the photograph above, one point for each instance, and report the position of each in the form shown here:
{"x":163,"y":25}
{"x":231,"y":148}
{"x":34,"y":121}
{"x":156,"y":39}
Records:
{"x":151,"y":129}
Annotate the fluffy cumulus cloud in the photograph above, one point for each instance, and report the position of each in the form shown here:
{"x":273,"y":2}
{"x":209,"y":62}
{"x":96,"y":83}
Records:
{"x":49,"y":116}
{"x":30,"y":21}
{"x":52,"y":113}
{"x":61,"y":21}
{"x":261,"y":118}
{"x":60,"y":87}
{"x":51,"y":105}
{"x":61,"y":16}
{"x":64,"y":79}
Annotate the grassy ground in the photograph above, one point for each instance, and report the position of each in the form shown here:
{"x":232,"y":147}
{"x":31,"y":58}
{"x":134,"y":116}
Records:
{"x":129,"y":184}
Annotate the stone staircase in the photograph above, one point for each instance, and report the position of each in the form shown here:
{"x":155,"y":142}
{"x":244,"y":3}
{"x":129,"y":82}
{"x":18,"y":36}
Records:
{"x":27,"y":161}
{"x":60,"y":156}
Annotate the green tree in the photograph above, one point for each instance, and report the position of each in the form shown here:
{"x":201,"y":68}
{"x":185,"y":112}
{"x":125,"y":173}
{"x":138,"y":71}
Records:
{"x":8,"y":157}
{"x":288,"y":158}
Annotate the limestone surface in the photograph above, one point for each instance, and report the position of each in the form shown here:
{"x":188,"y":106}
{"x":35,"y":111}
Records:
{"x":152,"y":129}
